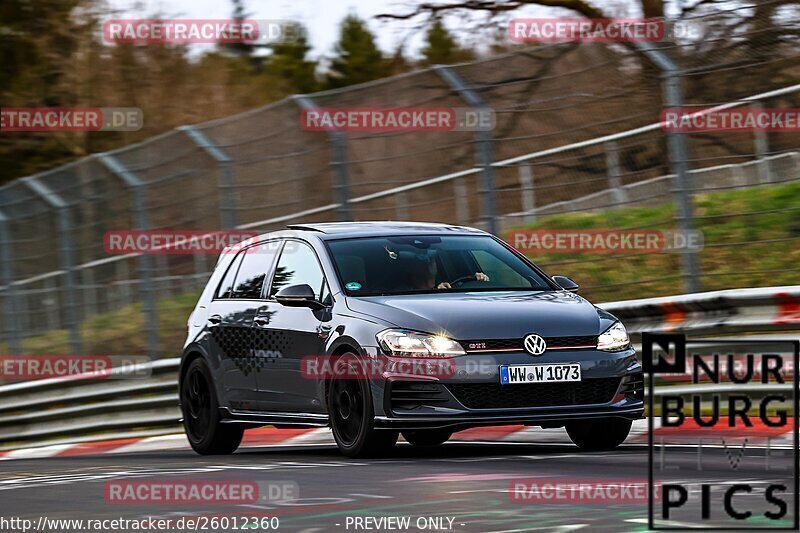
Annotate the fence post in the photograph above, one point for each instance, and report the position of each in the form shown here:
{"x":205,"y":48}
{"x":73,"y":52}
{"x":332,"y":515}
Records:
{"x":226,"y":182}
{"x":340,"y":161}
{"x":484,"y":139}
{"x":88,"y":291}
{"x":796,"y":158}
{"x":401,"y":206}
{"x":679,"y":157}
{"x":161,"y":279}
{"x":136,"y":185}
{"x":123,"y":277}
{"x":761,"y":141}
{"x":23,"y":316}
{"x":51,"y":312}
{"x":528,"y":192}
{"x":199,"y":271}
{"x":10,"y":309}
{"x":66,"y":250}
{"x":615,"y":173}
{"x":462,"y":200}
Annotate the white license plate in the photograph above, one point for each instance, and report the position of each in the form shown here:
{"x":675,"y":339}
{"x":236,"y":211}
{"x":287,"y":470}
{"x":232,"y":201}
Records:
{"x":516,"y":374}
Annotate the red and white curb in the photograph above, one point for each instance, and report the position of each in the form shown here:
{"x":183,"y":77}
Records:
{"x":269,"y":436}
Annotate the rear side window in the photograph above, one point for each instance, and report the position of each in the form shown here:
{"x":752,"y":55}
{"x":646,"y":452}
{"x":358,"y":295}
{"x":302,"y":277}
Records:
{"x":225,"y":289}
{"x":256,"y":265}
{"x":298,"y":265}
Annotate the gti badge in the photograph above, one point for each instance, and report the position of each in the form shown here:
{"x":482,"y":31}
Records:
{"x":535,"y":345}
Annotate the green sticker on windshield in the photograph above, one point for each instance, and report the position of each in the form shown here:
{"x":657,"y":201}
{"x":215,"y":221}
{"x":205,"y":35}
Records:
{"x":353,"y":286}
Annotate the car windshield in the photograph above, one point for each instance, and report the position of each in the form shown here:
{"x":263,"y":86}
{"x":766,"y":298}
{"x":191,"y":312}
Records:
{"x":373,"y":266}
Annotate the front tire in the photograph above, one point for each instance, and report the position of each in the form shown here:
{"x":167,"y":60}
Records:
{"x":201,"y":420}
{"x":352,"y":418}
{"x":427,"y":437}
{"x":599,"y":435}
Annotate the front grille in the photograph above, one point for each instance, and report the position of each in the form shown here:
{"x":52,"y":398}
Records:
{"x":496,"y":396}
{"x":570,"y":342}
{"x":411,"y":394}
{"x":553,"y":343}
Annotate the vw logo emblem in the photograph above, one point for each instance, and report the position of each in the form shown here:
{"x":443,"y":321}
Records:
{"x":534,"y":345}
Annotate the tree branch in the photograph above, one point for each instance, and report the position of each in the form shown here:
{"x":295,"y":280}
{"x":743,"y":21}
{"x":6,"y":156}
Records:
{"x":498,"y":6}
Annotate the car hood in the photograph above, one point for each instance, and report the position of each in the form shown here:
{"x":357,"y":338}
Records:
{"x":488,"y":315}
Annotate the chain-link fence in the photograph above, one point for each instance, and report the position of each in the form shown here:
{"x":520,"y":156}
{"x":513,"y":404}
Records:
{"x":577,"y":144}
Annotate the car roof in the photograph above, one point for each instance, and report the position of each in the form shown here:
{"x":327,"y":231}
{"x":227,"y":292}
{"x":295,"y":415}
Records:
{"x":339,"y":230}
{"x":343,"y":230}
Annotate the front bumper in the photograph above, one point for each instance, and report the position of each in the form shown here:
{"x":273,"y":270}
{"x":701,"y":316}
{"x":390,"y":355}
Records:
{"x":612,"y":385}
{"x":550,"y":419}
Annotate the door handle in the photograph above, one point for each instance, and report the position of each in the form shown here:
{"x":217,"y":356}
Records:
{"x":214,"y":319}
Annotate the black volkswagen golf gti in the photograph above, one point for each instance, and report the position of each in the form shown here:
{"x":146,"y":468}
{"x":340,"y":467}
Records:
{"x":381,"y":328}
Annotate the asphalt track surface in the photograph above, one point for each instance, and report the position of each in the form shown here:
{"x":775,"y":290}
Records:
{"x":468,"y":482}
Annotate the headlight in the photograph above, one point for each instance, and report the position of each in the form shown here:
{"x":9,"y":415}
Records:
{"x":613,"y":339}
{"x":404,"y":343}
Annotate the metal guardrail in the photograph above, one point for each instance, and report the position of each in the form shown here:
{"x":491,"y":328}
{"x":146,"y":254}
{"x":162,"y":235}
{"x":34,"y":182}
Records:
{"x":727,"y":311}
{"x":85,"y":408}
{"x":89,"y":407}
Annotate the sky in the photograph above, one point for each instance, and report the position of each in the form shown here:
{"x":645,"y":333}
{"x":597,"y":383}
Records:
{"x":321,"y":17}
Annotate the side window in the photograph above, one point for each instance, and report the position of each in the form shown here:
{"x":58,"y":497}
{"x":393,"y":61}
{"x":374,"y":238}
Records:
{"x":225,"y":289}
{"x":250,"y":278}
{"x":298,"y":264}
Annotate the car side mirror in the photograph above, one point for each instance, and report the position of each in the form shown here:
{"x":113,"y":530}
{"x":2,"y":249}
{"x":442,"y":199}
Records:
{"x":298,"y":296}
{"x":565,"y":283}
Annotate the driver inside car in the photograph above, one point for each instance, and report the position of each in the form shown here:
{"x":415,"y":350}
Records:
{"x":424,"y":270}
